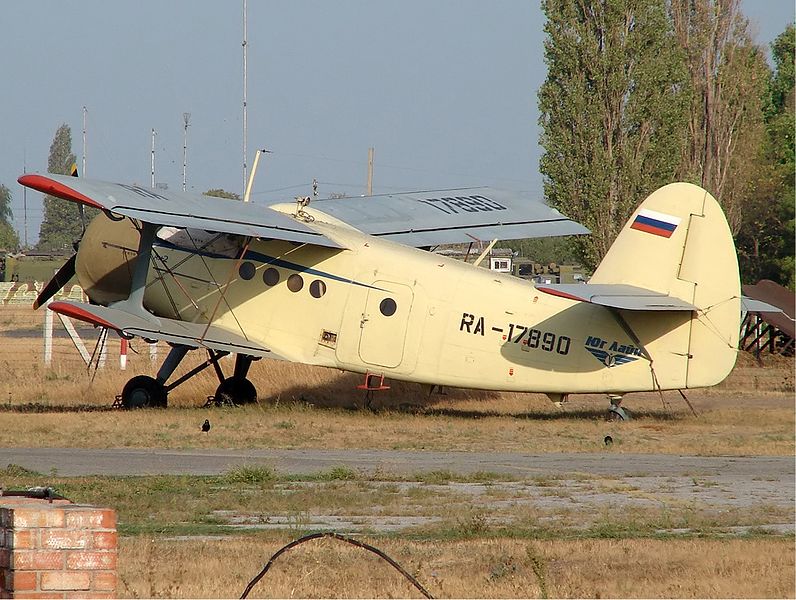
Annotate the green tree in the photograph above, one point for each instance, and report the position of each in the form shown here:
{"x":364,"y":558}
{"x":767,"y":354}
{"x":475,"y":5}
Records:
{"x":61,"y":226}
{"x":728,"y":75}
{"x":221,"y":193}
{"x":8,"y":236}
{"x":766,"y":238}
{"x":612,"y":112}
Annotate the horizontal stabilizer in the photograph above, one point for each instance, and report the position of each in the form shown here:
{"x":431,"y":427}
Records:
{"x":628,"y":297}
{"x":752,"y":305}
{"x":194,"y":335}
{"x":179,"y":209}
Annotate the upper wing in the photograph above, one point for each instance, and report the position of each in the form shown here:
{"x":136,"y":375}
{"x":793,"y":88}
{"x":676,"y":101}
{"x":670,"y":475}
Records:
{"x":629,"y":297}
{"x":178,"y":209}
{"x":451,"y":216}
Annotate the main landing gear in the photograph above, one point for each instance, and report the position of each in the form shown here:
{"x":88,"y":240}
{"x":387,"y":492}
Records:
{"x":144,"y":391}
{"x":615,"y":410}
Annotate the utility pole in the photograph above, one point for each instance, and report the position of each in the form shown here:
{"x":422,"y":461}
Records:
{"x":186,"y":117}
{"x":25,"y":198}
{"x":85,"y":111}
{"x":153,"y":160}
{"x":371,"y":152}
{"x":245,"y":123}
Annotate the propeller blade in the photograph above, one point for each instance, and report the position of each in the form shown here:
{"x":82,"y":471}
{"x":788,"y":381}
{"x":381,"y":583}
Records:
{"x":60,"y":279}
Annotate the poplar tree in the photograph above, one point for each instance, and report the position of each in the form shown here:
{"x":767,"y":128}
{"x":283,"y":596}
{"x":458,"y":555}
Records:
{"x":613,"y":112}
{"x":8,"y":236}
{"x":61,"y":226}
{"x":765,"y":241}
{"x":728,"y":76}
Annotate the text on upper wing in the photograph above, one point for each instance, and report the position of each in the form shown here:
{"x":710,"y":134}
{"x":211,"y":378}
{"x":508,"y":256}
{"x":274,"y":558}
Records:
{"x":453,"y":205}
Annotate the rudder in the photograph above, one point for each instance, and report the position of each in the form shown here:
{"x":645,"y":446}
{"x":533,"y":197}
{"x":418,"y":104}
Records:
{"x":678,"y":242}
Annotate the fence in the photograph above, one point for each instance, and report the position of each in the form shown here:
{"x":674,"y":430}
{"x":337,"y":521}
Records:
{"x":55,"y":340}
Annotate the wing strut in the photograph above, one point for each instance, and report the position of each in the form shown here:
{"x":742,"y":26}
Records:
{"x":134,"y":303}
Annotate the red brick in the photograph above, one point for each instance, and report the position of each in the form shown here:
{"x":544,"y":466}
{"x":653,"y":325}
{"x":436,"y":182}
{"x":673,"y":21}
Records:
{"x":22,"y":580}
{"x":104,"y":581}
{"x":90,"y":594}
{"x":46,"y":515}
{"x":22,"y":539}
{"x":91,"y":560}
{"x":65,"y":580}
{"x":37,"y":595}
{"x":105,"y":540}
{"x":58,"y":539}
{"x":5,"y":558}
{"x":37,"y":559}
{"x":97,"y":518}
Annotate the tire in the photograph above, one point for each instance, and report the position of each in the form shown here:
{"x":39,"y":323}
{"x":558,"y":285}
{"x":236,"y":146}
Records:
{"x":143,"y":391}
{"x":236,"y":390}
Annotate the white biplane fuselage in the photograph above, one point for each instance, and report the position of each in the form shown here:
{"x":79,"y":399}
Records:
{"x":344,"y":284}
{"x":409,"y":314}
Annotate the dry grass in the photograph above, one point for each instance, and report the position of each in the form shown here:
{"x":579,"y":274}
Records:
{"x":536,"y":426}
{"x":494,"y":568}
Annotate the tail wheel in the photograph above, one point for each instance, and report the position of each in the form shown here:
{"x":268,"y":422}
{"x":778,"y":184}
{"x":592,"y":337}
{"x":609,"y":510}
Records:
{"x":143,"y":391}
{"x":236,"y":390}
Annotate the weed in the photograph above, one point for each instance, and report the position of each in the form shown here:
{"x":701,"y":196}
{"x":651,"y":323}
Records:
{"x":539,"y":567}
{"x":250,"y":475}
{"x":474,"y":524}
{"x":341,"y":473}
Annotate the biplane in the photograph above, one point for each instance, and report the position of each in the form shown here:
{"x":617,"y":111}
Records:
{"x":351,"y":283}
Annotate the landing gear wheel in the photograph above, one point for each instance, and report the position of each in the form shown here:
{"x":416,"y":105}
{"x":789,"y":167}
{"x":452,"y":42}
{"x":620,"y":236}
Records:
{"x":143,"y":391}
{"x":236,"y":390}
{"x":617,"y":413}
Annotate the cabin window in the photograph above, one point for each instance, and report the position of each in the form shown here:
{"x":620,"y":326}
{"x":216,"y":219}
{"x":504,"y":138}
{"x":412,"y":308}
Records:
{"x":270,"y":276}
{"x":317,"y":288}
{"x":388,"y":307}
{"x":295,"y":282}
{"x":247,"y":270}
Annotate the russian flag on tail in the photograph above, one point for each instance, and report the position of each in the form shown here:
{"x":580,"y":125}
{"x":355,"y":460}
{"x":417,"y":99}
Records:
{"x":656,"y":223}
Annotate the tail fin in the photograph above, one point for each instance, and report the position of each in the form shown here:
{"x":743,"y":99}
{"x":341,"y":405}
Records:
{"x":678,"y":243}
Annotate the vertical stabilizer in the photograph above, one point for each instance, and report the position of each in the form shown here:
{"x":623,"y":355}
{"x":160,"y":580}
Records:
{"x":678,"y":243}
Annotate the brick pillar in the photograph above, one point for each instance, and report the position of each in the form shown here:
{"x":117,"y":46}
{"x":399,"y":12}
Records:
{"x":56,"y":550}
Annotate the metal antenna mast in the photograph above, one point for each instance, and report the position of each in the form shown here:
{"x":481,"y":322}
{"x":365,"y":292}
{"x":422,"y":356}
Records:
{"x":153,"y":159}
{"x":25,"y":197}
{"x":245,"y":123}
{"x":85,"y":111}
{"x":186,"y":116}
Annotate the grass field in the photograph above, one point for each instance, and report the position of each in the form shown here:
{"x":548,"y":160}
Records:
{"x":462,"y":536}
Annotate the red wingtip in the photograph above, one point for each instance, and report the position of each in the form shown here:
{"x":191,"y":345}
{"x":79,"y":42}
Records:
{"x":560,"y":294}
{"x":50,"y":186}
{"x":78,"y":313}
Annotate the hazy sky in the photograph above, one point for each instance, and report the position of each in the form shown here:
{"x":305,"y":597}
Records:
{"x":445,"y":90}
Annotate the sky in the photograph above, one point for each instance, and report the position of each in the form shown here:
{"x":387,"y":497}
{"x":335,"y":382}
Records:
{"x":444,"y":90}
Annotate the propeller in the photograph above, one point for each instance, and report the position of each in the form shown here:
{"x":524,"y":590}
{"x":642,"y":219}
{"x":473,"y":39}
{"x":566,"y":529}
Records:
{"x":64,"y":274}
{"x":67,"y":271}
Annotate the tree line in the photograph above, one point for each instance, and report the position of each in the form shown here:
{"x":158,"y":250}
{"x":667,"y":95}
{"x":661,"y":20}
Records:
{"x":640,"y":93}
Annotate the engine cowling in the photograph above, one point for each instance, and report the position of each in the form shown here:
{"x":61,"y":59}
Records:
{"x":106,"y":257}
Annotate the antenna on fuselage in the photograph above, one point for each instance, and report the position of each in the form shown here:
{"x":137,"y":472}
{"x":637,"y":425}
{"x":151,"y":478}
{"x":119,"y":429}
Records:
{"x":250,"y":183}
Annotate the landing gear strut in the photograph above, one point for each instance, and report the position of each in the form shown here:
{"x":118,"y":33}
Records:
{"x":615,"y":411}
{"x":144,"y":391}
{"x":237,"y":389}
